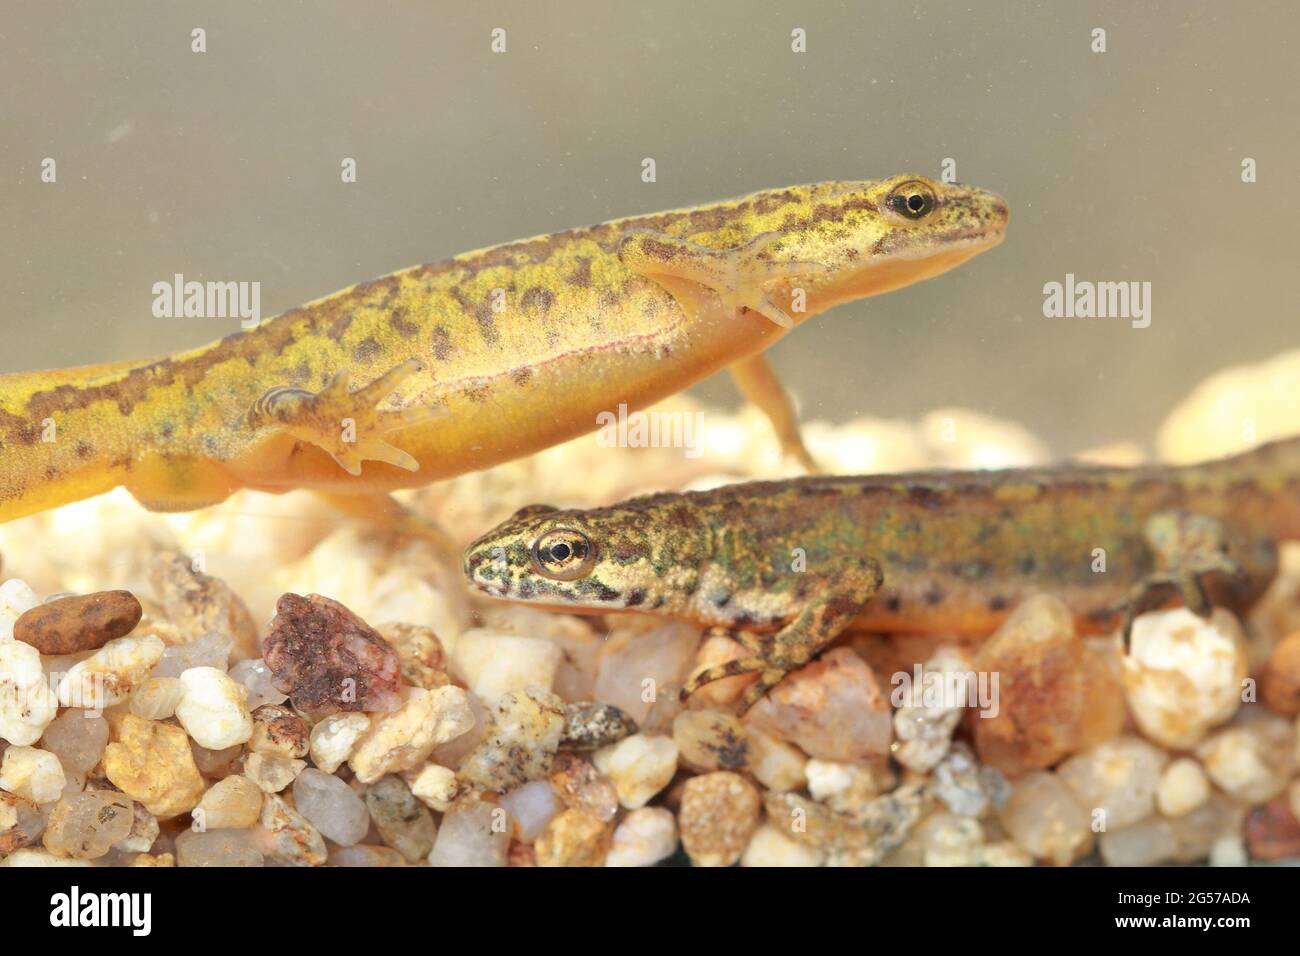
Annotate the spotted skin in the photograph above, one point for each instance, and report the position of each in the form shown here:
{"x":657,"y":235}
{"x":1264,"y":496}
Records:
{"x":788,"y":566}
{"x":514,"y":348}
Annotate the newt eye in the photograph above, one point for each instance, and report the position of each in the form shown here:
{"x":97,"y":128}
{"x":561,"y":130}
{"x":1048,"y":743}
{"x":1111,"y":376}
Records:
{"x":563,"y":554}
{"x":912,"y":200}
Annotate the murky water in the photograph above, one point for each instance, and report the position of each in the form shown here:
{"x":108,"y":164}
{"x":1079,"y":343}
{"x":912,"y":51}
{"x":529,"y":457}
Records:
{"x":1119,"y":166}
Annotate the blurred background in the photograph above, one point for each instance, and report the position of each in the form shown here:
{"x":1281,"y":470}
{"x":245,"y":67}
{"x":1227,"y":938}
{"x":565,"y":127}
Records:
{"x":1118,"y":166}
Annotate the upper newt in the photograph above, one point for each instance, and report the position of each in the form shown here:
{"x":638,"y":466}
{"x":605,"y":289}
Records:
{"x":484,"y":357}
{"x":791,"y":564}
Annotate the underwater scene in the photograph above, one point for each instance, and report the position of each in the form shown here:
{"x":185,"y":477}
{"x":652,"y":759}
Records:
{"x":649,"y":434}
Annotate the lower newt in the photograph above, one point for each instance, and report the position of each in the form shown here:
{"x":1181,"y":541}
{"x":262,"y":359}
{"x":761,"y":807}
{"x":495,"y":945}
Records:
{"x":789,"y":565}
{"x":484,"y":357}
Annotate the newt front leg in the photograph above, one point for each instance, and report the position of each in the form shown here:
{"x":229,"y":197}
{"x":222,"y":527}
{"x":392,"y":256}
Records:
{"x":347,"y":424}
{"x":740,"y":276}
{"x":774,"y":655}
{"x":743,"y":277}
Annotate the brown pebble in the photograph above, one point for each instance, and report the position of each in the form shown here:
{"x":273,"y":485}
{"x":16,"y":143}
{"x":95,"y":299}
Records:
{"x":1040,"y":663}
{"x":82,"y":622}
{"x":719,"y":813}
{"x":329,"y":660}
{"x":1280,"y":682}
{"x":1272,"y":831}
{"x":521,"y":854}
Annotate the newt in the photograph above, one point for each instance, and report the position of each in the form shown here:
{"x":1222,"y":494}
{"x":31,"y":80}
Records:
{"x":788,"y":566}
{"x":441,"y":369}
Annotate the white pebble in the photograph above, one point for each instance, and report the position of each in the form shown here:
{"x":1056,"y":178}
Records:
{"x":27,"y":705}
{"x":1183,"y":787}
{"x":435,"y":786}
{"x":32,"y":774}
{"x":30,"y":856}
{"x":1183,"y":675}
{"x":1118,"y":778}
{"x":774,"y":763}
{"x":639,"y":767}
{"x":156,"y":698}
{"x":770,"y":846}
{"x":827,"y":778}
{"x":532,"y":806}
{"x":111,"y":675}
{"x":404,"y":739}
{"x":1229,"y":851}
{"x":1252,"y":760}
{"x":643,"y":838}
{"x":272,"y":772}
{"x":213,"y":709}
{"x":333,"y":739}
{"x":495,"y":664}
{"x":15,"y":599}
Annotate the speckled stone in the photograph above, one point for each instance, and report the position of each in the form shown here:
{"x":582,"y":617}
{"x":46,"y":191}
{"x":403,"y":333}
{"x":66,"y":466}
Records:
{"x":403,"y":822}
{"x":719,"y":813}
{"x":328,"y":660}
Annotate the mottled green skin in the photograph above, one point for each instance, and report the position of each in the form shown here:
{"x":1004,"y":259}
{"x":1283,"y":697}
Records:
{"x":957,"y":550}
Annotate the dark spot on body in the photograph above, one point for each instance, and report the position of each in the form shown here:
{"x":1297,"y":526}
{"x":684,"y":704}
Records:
{"x":999,"y":602}
{"x":366,"y":350}
{"x":486,"y":324}
{"x":600,"y":590}
{"x":442,"y":347}
{"x":537,"y":300}
{"x":582,"y":274}
{"x":635,"y":598}
{"x":401,"y":324}
{"x":339,"y":326}
{"x":926,"y":497}
{"x":933,"y":597}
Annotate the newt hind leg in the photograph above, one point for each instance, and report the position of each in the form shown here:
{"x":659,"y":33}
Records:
{"x":760,"y":386}
{"x":1190,"y":549}
{"x":773,"y":656}
{"x":347,"y":424}
{"x":743,"y":277}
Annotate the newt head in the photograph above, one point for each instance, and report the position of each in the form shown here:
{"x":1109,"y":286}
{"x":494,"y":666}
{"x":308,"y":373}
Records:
{"x":597,"y":561}
{"x":881,"y":235}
